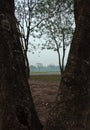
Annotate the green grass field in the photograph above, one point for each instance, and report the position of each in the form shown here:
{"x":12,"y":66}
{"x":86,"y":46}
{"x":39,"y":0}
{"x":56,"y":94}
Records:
{"x":45,"y":77}
{"x":44,"y":73}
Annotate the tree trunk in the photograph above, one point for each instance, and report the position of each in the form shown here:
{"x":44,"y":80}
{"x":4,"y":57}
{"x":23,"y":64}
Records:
{"x":72,"y":108}
{"x":17,"y":110}
{"x":27,"y":65}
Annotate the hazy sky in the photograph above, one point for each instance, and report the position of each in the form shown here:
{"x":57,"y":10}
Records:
{"x":46,"y":57}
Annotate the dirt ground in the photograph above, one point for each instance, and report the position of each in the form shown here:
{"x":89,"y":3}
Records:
{"x":44,"y":93}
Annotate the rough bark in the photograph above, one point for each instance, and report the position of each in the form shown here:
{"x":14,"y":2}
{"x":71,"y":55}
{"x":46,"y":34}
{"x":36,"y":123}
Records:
{"x":17,"y":111}
{"x":72,"y":108}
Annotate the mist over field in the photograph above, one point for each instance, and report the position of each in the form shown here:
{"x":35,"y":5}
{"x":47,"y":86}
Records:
{"x":41,"y":68}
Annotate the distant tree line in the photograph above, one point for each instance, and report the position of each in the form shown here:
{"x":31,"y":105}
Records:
{"x":41,"y":68}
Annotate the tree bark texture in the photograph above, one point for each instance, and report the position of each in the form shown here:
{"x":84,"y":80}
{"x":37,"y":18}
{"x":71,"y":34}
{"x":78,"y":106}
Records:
{"x":17,"y":110}
{"x":72,"y":108}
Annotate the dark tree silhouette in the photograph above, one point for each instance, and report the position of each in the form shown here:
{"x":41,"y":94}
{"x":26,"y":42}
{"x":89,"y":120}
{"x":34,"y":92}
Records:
{"x":72,"y":108}
{"x":17,"y":111}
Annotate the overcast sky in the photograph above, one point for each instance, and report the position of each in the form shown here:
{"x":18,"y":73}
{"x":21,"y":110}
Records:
{"x":45,"y":57}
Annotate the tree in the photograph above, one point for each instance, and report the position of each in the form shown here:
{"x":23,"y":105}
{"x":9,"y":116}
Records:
{"x":53,"y":21}
{"x":72,"y":108}
{"x":17,"y":111}
{"x":26,"y":15}
{"x":57,"y":30}
{"x":39,"y":66}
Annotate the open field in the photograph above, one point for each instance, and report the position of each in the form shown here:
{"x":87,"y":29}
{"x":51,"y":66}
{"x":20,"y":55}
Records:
{"x":45,"y":77}
{"x":44,"y":89}
{"x":45,"y":73}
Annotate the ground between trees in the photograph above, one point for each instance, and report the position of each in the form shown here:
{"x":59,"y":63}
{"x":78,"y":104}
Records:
{"x":44,"y":91}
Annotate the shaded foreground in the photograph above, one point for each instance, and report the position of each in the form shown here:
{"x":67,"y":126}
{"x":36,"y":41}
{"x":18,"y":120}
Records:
{"x":44,"y":89}
{"x":17,"y":111}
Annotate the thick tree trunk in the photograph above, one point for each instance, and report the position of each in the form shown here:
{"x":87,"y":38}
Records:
{"x":72,"y":108}
{"x":17,"y":110}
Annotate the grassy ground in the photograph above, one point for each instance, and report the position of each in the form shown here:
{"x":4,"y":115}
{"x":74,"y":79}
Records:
{"x":44,"y":89}
{"x":46,"y":73}
{"x":50,"y":78}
